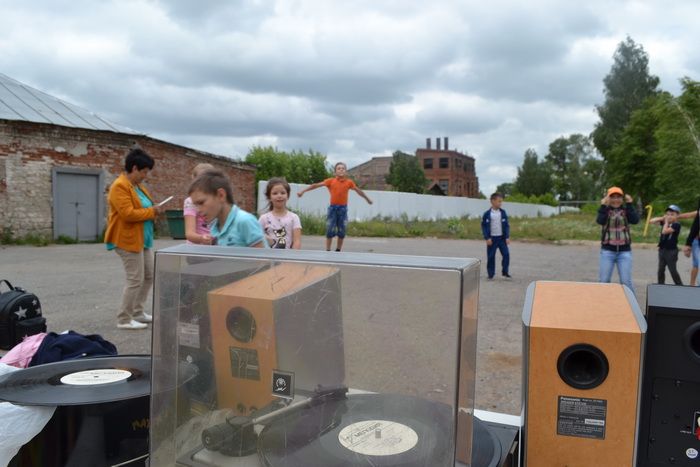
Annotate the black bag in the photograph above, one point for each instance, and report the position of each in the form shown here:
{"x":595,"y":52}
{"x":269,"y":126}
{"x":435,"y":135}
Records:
{"x":20,"y":316}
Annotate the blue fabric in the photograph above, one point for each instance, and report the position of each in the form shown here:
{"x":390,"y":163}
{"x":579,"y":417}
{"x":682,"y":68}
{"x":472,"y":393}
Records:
{"x":71,"y":346}
{"x":486,"y":224}
{"x":623,"y":260}
{"x":696,"y":253}
{"x":497,"y":244}
{"x":336,"y":220}
{"x":147,"y":225}
{"x":240,"y":229}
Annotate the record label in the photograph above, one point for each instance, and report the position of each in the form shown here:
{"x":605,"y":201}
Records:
{"x":95,"y":377}
{"x":378,"y":438}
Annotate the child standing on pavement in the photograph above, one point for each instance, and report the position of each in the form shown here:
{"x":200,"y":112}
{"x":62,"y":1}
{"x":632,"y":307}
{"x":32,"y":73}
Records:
{"x":616,"y":240}
{"x":496,"y":231}
{"x":230,"y":225}
{"x":668,"y":245}
{"x":337,"y":217}
{"x":282,"y":227}
{"x":692,"y":244}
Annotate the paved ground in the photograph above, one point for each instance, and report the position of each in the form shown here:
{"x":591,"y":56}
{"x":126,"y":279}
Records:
{"x":80,"y":286}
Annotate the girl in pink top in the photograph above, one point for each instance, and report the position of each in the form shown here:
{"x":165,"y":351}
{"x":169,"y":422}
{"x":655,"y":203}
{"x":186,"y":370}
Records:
{"x":282,"y":227}
{"x":196,"y":227}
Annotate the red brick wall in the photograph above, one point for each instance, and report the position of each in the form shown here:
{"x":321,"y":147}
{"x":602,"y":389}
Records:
{"x":29,"y":151}
{"x":461,"y":182}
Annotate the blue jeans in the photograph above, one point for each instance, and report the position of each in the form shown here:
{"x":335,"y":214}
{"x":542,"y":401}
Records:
{"x":336,"y":220}
{"x":623,"y":259}
{"x":497,"y":243}
{"x":696,"y":253}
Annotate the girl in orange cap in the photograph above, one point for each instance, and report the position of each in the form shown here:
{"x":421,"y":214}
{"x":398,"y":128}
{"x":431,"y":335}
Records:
{"x":616,"y":213}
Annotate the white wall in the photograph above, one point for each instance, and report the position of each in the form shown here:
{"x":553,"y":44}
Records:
{"x":394,"y":204}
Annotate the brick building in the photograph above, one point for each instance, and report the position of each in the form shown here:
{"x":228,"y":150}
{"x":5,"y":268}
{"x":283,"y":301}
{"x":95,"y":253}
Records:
{"x":453,"y":172}
{"x":371,"y":175}
{"x":58,"y":160}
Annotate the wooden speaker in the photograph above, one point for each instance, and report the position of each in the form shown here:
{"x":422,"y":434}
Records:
{"x":286,"y":320}
{"x":582,"y":359}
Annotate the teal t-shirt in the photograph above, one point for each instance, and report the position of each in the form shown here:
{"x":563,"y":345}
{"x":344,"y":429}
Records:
{"x":148,"y":232}
{"x":240,"y":229}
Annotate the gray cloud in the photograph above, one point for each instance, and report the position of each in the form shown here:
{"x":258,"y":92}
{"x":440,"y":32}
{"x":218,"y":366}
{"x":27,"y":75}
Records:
{"x":351,"y":79}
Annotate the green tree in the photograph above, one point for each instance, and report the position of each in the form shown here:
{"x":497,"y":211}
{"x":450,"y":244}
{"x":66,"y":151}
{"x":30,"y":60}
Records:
{"x":506,"y":189}
{"x":309,"y":167}
{"x":627,"y":86}
{"x":570,"y":159}
{"x":594,"y":179}
{"x":406,"y":174}
{"x":678,"y":153}
{"x":296,"y":167}
{"x":633,"y":162}
{"x":534,"y":176}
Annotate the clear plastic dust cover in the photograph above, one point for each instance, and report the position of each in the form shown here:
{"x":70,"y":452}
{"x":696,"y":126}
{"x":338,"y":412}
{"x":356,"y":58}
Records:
{"x":283,"y":358}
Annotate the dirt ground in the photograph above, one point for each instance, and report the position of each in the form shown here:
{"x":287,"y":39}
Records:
{"x":80,"y":286}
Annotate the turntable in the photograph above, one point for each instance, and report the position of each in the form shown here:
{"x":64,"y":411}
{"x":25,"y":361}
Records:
{"x":324,"y":359}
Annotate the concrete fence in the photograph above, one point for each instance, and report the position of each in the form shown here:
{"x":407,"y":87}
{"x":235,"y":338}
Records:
{"x":394,"y":205}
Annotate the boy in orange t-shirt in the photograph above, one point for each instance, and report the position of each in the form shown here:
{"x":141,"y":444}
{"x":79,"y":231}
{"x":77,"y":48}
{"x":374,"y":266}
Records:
{"x":337,"y":218}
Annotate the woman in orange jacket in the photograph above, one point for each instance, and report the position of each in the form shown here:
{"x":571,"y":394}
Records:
{"x":130,"y":234}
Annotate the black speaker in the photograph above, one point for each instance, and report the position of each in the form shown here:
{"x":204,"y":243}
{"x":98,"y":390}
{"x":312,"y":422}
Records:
{"x":669,"y":431}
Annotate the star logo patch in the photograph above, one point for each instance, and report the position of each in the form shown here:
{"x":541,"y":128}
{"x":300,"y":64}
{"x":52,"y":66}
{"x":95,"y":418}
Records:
{"x":21,"y":313}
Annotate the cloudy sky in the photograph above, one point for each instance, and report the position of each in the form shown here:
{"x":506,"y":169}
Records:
{"x":352,"y":78}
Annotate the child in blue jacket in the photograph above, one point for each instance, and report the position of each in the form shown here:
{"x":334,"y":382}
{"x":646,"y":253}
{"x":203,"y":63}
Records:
{"x":496,"y":231}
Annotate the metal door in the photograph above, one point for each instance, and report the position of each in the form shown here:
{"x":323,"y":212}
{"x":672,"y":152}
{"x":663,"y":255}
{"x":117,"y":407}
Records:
{"x":76,"y":206}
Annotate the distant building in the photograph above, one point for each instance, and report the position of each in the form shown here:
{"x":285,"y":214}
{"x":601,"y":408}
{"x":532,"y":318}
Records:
{"x":57,"y":161}
{"x":371,"y":175}
{"x":453,"y":172}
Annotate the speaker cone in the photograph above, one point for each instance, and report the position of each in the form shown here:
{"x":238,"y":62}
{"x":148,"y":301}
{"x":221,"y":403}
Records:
{"x":691,"y":337}
{"x":583,"y":366}
{"x":241,"y":324}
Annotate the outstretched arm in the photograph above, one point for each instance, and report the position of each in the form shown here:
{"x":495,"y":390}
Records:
{"x":359,"y":191}
{"x":313,"y":186}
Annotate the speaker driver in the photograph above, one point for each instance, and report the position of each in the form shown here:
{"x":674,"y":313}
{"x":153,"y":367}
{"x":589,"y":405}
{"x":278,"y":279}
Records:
{"x":583,"y":366}
{"x":241,"y":324}
{"x":691,"y":337}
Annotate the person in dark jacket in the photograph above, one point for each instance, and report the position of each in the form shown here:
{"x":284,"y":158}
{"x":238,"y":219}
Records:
{"x":615,"y":214}
{"x":496,"y":232}
{"x":668,"y":245}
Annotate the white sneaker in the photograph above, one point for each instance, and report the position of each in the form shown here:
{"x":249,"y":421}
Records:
{"x":145,"y":318}
{"x":132,"y":325}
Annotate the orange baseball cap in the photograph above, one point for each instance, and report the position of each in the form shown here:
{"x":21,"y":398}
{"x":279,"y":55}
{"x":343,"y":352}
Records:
{"x":615,"y":190}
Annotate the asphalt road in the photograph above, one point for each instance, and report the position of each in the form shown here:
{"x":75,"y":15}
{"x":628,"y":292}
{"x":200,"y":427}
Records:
{"x":80,"y":287}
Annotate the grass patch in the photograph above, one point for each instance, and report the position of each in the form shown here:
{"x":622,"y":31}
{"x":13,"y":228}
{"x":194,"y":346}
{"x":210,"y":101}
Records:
{"x":563,"y":227}
{"x":65,"y":240}
{"x":6,"y":238}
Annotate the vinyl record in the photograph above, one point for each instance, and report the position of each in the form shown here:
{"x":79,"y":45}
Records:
{"x":96,"y":435}
{"x":79,"y":382}
{"x":486,"y":449}
{"x":377,"y":430}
